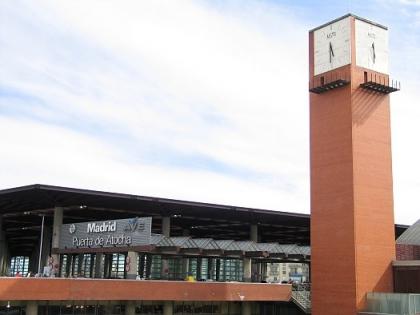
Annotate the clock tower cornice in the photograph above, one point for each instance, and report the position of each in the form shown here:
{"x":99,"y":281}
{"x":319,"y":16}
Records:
{"x":346,"y":16}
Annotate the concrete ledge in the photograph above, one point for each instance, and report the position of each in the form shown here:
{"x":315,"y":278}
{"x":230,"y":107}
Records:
{"x":406,"y":263}
{"x":59,"y":289}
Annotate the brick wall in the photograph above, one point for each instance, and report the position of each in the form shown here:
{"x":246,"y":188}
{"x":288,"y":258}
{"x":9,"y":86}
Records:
{"x":408,"y":252}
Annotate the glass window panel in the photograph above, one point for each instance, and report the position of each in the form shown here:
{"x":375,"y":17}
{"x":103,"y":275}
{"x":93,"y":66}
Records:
{"x":156,"y":267}
{"x":175,"y":268}
{"x":19,"y":265}
{"x":192,"y":267}
{"x":204,"y":268}
{"x":118,"y":266}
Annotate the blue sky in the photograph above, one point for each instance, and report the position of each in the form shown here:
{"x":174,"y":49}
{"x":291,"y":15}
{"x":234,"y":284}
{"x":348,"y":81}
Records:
{"x":196,"y":100}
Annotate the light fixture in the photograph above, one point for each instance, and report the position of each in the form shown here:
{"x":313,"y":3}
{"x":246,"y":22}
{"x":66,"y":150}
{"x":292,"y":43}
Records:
{"x":8,"y":304}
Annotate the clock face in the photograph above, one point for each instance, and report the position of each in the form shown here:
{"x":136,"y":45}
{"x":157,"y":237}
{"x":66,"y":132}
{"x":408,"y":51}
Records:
{"x":371,"y":47}
{"x":332,"y":46}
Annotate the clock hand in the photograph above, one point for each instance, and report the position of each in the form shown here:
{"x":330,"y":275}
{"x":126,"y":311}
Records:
{"x":331,"y":52}
{"x":373,"y":52}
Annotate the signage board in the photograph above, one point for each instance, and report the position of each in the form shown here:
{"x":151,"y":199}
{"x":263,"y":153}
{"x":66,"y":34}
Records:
{"x":111,"y":233}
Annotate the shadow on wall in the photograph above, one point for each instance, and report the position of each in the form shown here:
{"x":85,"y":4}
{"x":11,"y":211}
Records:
{"x":384,"y":284}
{"x":365,"y":103}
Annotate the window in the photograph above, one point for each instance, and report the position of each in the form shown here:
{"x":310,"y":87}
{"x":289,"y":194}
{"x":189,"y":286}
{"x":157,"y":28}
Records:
{"x":156,"y":267}
{"x":118,"y":266}
{"x":175,"y":268}
{"x":19,"y":265}
{"x":88,"y":266}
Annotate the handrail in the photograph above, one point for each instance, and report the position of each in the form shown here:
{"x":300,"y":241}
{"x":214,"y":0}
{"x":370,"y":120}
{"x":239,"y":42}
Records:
{"x":301,"y":296}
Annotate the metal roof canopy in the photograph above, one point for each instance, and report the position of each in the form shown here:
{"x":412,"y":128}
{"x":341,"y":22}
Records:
{"x":190,"y":247}
{"x":21,"y":208}
{"x":411,"y":236}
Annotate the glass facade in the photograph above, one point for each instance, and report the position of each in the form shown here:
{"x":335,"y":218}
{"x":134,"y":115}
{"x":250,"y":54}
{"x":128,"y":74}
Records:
{"x":77,"y":265}
{"x":112,"y":266}
{"x":117,"y":265}
{"x":19,"y":265}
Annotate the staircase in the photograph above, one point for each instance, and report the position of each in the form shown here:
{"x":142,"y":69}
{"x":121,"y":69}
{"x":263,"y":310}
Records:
{"x":301,"y":296}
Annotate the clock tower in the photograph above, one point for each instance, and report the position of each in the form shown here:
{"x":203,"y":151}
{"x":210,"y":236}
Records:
{"x":352,"y":219}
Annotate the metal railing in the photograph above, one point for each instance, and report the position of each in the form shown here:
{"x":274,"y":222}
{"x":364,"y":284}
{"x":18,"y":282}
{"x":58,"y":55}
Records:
{"x":393,"y":303}
{"x":301,"y":296}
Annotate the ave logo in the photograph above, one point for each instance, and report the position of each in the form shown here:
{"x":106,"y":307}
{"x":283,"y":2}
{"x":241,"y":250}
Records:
{"x":134,"y":225}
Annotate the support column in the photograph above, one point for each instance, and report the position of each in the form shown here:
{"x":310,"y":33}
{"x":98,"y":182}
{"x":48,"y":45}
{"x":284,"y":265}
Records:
{"x":99,"y":265}
{"x":254,"y":272}
{"x":246,"y":308}
{"x":199,"y":267}
{"x":109,"y":308}
{"x":166,"y":231}
{"x":263,"y":271}
{"x":130,"y":308}
{"x":253,"y":236}
{"x":2,"y":247}
{"x":132,"y":265}
{"x":247,"y":270}
{"x":210,"y":267}
{"x":142,"y":262}
{"x":185,"y":267}
{"x":168,"y":308}
{"x":58,"y":222}
{"x":253,"y":233}
{"x":80,"y":259}
{"x":309,"y":273}
{"x":149,"y":259}
{"x":166,"y":226}
{"x":38,"y":263}
{"x":186,"y":260}
{"x":33,"y":260}
{"x":32,"y":308}
{"x":224,"y":308}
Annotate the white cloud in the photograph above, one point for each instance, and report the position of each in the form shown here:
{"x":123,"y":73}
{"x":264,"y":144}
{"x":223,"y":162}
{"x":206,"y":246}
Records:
{"x":410,"y":2}
{"x":58,"y":156}
{"x":145,"y":84}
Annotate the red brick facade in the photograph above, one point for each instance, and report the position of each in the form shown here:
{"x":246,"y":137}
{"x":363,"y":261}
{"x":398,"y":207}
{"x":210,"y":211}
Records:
{"x":408,"y":252}
{"x":352,"y":217}
{"x":60,"y":289}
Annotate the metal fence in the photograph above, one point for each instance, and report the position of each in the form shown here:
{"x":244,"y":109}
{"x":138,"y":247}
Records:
{"x":393,"y":303}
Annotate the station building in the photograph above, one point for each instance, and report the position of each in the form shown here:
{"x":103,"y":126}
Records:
{"x":112,"y":253}
{"x":100,"y":252}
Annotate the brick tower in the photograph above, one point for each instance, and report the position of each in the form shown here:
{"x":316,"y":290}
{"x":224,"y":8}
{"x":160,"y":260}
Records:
{"x":352,"y":220}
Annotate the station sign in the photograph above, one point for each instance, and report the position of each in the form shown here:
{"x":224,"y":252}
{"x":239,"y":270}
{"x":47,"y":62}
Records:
{"x":111,"y":233}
